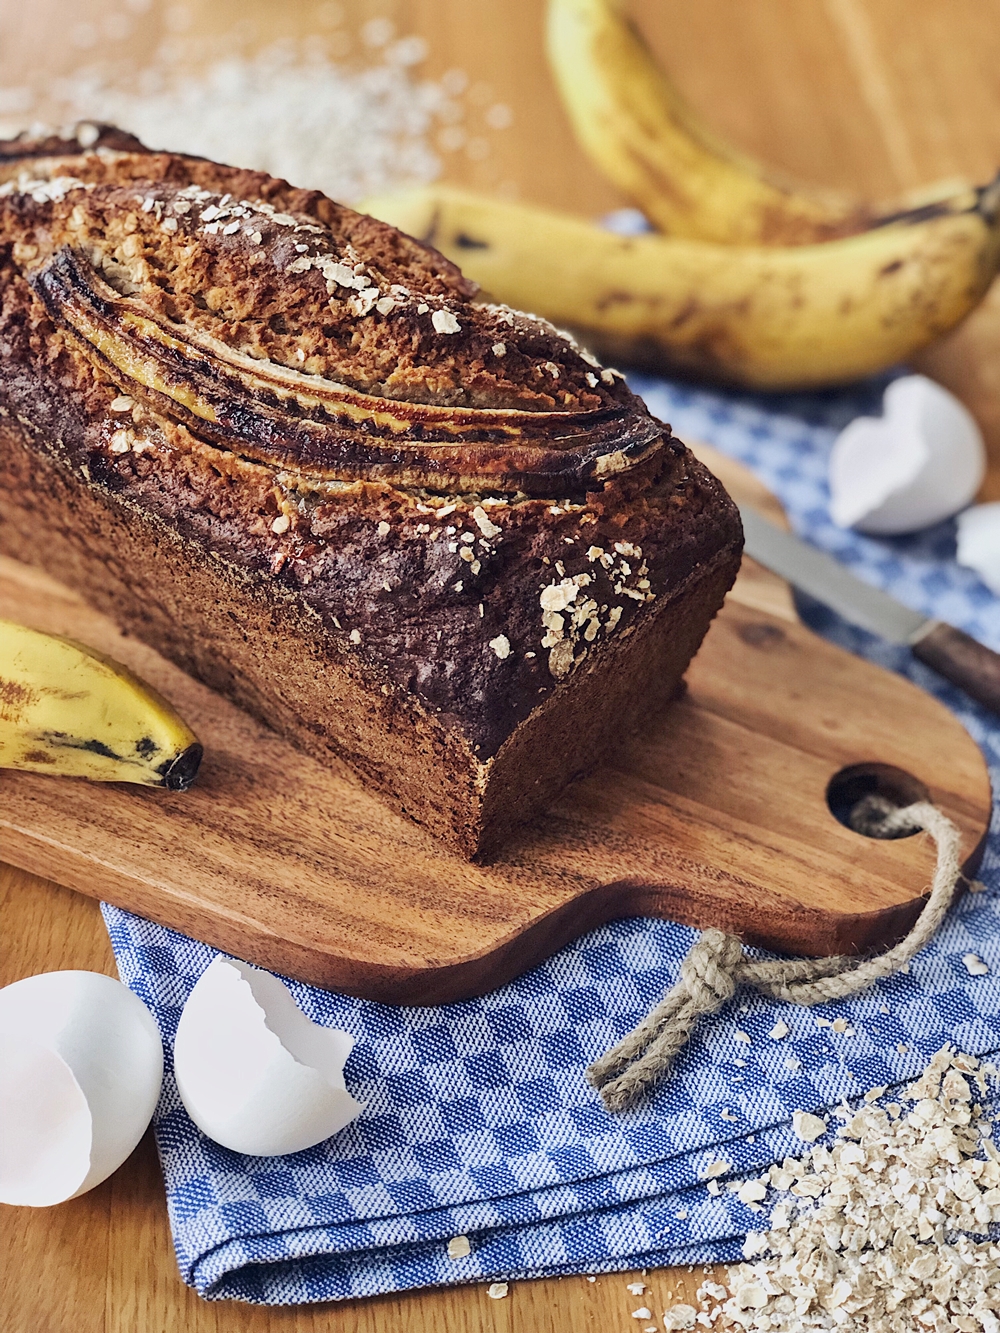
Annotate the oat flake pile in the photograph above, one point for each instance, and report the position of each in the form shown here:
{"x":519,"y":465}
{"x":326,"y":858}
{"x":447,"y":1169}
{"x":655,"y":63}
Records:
{"x":886,"y":1229}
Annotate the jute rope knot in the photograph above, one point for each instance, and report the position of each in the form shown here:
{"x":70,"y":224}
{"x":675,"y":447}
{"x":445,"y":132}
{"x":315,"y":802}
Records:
{"x":717,"y":964}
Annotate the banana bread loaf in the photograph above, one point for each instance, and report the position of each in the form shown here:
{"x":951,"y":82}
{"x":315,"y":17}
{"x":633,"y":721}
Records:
{"x":278,"y":440}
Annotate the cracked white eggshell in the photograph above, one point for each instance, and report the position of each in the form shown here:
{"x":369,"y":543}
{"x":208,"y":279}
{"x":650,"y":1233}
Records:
{"x":254,"y":1073}
{"x":81,"y":1064}
{"x":920,"y":462}
{"x":979,"y":543}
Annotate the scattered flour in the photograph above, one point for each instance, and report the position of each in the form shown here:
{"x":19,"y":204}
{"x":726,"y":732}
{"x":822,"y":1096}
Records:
{"x":349,"y":129}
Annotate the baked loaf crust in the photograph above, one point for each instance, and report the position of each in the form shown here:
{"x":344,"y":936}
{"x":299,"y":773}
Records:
{"x":278,"y":440}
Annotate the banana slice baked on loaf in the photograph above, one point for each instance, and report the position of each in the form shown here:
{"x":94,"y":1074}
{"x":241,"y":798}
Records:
{"x":281,"y":443}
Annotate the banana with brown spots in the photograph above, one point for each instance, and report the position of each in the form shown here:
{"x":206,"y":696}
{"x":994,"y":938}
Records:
{"x":763,"y":317}
{"x":68,"y":710}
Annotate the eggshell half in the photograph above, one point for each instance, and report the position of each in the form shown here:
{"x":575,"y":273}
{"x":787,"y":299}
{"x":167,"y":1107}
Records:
{"x":254,"y":1073}
{"x":979,"y":542}
{"x":920,"y":462}
{"x":81,"y":1064}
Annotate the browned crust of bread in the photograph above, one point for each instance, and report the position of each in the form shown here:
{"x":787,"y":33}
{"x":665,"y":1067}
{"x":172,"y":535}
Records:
{"x":467,"y":651}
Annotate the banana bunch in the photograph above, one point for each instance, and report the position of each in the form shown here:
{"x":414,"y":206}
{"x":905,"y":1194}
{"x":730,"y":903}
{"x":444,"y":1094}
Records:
{"x":640,"y":133}
{"x":751,"y":282}
{"x":65,"y":709}
{"x":762,"y":317}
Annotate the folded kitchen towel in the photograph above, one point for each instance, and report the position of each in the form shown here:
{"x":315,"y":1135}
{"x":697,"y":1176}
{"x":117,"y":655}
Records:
{"x":479,"y":1120}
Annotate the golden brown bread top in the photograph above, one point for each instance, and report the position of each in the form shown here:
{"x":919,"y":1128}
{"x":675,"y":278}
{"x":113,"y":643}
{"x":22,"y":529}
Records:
{"x":468,"y":525}
{"x":294,"y":330}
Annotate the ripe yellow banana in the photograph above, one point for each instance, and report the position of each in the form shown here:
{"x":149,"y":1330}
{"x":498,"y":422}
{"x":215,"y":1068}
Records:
{"x":760,"y":317}
{"x":65,"y":709}
{"x":641,"y":134}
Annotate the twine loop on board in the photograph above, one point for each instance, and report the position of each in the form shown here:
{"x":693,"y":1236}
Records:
{"x":717,"y":964}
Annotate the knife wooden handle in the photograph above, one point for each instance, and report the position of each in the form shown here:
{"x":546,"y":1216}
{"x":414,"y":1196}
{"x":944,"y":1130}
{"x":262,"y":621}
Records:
{"x":962,"y":660}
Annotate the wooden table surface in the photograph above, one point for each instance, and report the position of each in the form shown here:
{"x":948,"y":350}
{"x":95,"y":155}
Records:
{"x":876,"y":95}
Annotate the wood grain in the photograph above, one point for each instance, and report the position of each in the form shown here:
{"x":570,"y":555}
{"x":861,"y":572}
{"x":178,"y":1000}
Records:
{"x":717,"y":815}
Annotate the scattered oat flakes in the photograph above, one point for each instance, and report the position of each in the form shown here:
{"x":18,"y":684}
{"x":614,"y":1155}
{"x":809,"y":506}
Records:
{"x":679,"y":1317}
{"x":281,"y":524}
{"x":636,"y":1288}
{"x":445,"y":322}
{"x":489,"y":529}
{"x":718,"y":1168}
{"x":779,"y":1030}
{"x":745,"y":1037}
{"x":501,"y":646}
{"x":458,"y":1246}
{"x":841,"y":1025}
{"x":807,"y":1127}
{"x":355,"y":637}
{"x":974,"y":965}
{"x":642,"y":1313}
{"x":885,"y":1231}
{"x":752,"y":1296}
{"x":383,"y":529}
{"x":752,"y":1191}
{"x":496,"y":1290}
{"x":713,"y":1291}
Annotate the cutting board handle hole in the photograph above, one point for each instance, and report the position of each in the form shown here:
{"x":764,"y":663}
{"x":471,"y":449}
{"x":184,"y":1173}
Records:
{"x":856,"y":781}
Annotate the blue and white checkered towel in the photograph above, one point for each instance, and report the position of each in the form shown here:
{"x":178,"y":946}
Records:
{"x":478,"y":1118}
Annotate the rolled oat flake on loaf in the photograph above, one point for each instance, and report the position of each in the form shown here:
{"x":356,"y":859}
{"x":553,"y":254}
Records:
{"x":273,"y":438}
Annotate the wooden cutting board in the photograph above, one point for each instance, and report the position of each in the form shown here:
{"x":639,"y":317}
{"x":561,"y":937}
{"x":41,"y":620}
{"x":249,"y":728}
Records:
{"x":717,"y":816}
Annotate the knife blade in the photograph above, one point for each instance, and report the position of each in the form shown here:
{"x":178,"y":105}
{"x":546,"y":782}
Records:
{"x":949,"y":651}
